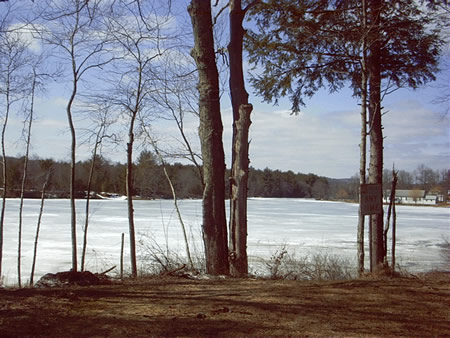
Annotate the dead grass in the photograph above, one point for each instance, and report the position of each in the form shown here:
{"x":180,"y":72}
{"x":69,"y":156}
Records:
{"x":417,"y":306}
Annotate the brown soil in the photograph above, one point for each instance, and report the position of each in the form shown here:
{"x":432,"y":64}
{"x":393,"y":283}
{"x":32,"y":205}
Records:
{"x":415,"y":306}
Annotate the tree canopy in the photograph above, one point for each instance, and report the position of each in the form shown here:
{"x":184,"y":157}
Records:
{"x":302,"y":46}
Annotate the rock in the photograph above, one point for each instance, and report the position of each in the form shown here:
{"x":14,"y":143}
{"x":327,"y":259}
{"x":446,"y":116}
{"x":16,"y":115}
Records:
{"x":201,"y":316}
{"x":67,"y":278}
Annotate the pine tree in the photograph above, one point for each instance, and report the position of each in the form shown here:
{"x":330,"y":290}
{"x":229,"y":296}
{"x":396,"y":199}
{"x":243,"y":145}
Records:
{"x":305,"y":45}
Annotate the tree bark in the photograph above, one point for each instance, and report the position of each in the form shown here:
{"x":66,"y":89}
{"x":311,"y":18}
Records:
{"x":129,"y":188}
{"x":363,"y":145}
{"x":375,"y":130}
{"x":240,"y":162}
{"x":238,"y":196}
{"x":73,"y":218}
{"x":210,"y":130}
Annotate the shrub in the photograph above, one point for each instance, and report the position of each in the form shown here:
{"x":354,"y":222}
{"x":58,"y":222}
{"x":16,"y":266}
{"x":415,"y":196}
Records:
{"x":316,"y":266}
{"x":155,"y":259}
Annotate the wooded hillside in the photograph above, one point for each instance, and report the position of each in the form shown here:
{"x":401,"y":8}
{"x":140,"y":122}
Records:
{"x":150,"y":181}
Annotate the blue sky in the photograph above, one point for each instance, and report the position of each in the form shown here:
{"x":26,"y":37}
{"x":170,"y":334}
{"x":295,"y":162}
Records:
{"x":324,"y":139}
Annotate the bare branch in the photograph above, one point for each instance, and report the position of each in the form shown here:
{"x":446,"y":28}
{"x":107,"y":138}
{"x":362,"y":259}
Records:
{"x":219,"y":12}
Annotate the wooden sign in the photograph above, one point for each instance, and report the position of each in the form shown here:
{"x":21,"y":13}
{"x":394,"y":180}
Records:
{"x":371,"y":199}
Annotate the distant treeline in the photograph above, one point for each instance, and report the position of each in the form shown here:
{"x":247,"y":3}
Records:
{"x":150,"y":181}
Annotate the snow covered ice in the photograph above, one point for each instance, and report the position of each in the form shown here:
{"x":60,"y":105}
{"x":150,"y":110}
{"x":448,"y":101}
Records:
{"x":303,"y":226}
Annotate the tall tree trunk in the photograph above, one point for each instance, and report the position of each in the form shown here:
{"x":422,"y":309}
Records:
{"x":362,"y":180}
{"x":4,"y":167}
{"x":88,"y":198}
{"x":363,"y":145}
{"x":210,"y":130}
{"x":24,"y":180}
{"x":38,"y":226}
{"x":394,"y":235}
{"x":375,"y":126}
{"x":73,"y":217}
{"x":239,"y":166}
{"x":388,"y":219}
{"x":129,"y":188}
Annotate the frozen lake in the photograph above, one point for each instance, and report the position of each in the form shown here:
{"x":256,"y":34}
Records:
{"x":304,"y":226}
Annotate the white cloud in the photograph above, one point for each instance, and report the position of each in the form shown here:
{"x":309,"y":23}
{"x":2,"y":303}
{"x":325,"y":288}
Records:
{"x":416,"y":135}
{"x":305,"y":143}
{"x":26,"y":34}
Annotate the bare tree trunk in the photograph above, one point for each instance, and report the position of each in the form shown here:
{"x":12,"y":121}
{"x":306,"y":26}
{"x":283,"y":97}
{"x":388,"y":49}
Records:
{"x":375,"y":131}
{"x":88,"y":198}
{"x":38,"y":227}
{"x":172,"y":188}
{"x":183,"y":228}
{"x":363,"y":145}
{"x":391,"y":204}
{"x":24,"y":180}
{"x":129,"y":188}
{"x":122,"y":242}
{"x":73,"y":217}
{"x":238,"y":196}
{"x":394,"y":238}
{"x":4,"y":167}
{"x":211,"y":129}
{"x":240,"y":162}
{"x":84,"y":52}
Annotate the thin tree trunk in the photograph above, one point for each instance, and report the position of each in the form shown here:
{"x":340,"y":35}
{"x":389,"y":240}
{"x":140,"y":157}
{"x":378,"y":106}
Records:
{"x":4,"y":167}
{"x":210,"y":130}
{"x":240,"y":162}
{"x":183,"y":227}
{"x":129,"y":188}
{"x":88,"y":199}
{"x":121,"y":254}
{"x":38,"y":227}
{"x":363,"y":145}
{"x":73,"y":219}
{"x":24,"y":180}
{"x":375,"y":131}
{"x":388,"y":219}
{"x":172,"y":188}
{"x":394,"y":238}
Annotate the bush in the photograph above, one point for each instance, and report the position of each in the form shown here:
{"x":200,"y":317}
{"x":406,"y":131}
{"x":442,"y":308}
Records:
{"x":155,"y":259}
{"x":317,"y":266}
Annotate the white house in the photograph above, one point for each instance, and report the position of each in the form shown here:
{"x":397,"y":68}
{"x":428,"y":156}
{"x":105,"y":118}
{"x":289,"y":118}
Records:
{"x":414,"y":196}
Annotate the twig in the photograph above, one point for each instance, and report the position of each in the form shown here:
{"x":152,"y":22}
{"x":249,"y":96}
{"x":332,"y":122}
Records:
{"x":105,"y":272}
{"x":176,"y":270}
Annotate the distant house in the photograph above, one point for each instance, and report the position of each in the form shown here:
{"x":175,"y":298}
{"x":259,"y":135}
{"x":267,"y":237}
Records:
{"x":414,"y":196}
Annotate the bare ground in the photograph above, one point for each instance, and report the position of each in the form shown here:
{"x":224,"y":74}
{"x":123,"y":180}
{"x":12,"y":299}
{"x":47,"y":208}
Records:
{"x":415,"y":306}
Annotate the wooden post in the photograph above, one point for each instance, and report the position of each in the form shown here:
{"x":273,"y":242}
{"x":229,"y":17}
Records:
{"x":121,"y":256}
{"x":370,"y":243}
{"x":394,"y":221}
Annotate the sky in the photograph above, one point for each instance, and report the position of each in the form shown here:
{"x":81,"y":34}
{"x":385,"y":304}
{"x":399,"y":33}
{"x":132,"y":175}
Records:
{"x":323,"y":139}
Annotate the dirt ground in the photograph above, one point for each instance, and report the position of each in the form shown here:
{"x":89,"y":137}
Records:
{"x":415,"y":306}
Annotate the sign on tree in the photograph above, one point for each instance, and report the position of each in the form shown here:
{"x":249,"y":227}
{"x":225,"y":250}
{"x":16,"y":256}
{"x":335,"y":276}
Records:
{"x":371,"y":199}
